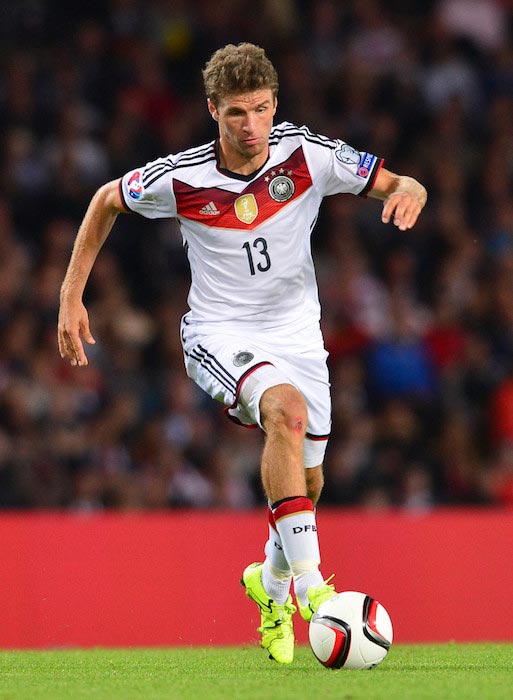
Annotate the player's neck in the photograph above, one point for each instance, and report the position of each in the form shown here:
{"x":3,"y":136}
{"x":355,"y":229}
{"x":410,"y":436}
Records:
{"x":236,"y":162}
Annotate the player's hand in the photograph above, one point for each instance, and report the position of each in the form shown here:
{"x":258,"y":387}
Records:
{"x":74,"y":325}
{"x":403,"y":208}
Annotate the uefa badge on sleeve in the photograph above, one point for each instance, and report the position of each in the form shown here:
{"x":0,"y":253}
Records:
{"x":135,"y":186}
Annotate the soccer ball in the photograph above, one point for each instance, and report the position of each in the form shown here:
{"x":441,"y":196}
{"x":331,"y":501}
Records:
{"x":350,"y":630}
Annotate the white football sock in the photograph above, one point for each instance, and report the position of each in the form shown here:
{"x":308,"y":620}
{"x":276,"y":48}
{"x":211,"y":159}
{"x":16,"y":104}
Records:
{"x":276,"y":583}
{"x":276,"y":573}
{"x":296,"y":526}
{"x":306,"y":574}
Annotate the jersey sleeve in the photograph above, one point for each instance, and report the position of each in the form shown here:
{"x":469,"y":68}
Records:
{"x":355,"y":169}
{"x":148,"y":190}
{"x":338,"y":167}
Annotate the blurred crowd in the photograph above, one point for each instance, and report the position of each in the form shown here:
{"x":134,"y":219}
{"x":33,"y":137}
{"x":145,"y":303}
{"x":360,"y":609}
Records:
{"x":419,"y":325}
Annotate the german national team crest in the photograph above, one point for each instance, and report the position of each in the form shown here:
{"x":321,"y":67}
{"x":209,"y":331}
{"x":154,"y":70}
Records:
{"x":246,"y":208}
{"x":281,"y":188}
{"x":242,"y":358}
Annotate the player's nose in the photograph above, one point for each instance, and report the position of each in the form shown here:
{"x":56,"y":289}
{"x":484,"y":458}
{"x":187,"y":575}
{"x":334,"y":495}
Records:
{"x":249,"y":123}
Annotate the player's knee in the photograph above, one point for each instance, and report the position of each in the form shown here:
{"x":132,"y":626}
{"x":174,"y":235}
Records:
{"x":283,"y":408}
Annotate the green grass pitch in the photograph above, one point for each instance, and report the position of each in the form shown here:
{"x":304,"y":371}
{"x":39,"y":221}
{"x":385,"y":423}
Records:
{"x":415,"y":672}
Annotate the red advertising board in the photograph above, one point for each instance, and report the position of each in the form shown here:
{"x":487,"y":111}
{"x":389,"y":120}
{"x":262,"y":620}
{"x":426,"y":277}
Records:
{"x":167,"y":579}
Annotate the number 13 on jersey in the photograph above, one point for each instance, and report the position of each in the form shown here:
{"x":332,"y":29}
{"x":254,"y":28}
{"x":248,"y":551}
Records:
{"x":258,"y":259}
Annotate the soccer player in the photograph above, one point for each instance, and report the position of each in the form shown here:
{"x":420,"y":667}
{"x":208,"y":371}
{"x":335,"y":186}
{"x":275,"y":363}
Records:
{"x":247,"y":203}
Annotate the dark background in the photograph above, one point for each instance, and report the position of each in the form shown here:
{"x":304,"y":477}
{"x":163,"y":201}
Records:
{"x":419,"y":325}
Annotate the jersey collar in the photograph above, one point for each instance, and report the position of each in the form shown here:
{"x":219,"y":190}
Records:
{"x":237,"y":176}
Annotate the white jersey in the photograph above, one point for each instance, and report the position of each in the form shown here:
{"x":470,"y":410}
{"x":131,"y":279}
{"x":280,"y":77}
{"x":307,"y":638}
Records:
{"x":248,"y":237}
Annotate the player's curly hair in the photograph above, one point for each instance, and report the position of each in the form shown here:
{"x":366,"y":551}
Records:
{"x":233,"y":70}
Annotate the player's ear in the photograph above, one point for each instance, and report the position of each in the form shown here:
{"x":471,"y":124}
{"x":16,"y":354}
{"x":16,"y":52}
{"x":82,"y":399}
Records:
{"x":212,"y":109}
{"x":275,"y":105}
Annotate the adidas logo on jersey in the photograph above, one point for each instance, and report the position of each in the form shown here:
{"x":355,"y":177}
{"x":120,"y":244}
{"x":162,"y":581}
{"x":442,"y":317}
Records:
{"x":210,"y":209}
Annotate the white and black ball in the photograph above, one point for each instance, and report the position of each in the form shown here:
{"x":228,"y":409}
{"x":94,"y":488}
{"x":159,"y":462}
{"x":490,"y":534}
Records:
{"x":351,"y":630}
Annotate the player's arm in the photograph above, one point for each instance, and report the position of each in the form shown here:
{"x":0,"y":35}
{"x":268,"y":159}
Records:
{"x":92,"y":234}
{"x":403,"y":198}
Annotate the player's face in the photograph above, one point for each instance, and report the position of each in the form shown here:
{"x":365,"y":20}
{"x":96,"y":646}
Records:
{"x":245,"y":123}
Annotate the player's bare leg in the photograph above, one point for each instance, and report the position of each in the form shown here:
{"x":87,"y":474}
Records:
{"x":292,"y":550}
{"x":314,"y":483}
{"x":284,"y":418}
